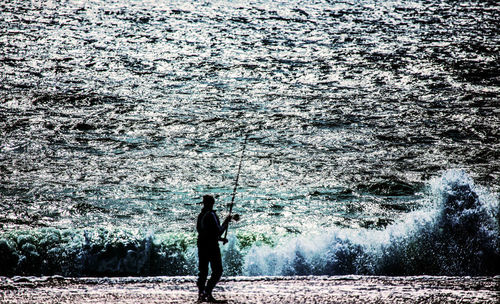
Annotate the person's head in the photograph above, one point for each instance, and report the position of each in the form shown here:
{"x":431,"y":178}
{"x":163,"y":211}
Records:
{"x":208,"y":201}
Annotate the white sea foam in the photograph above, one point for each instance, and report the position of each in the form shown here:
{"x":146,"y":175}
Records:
{"x":340,"y":251}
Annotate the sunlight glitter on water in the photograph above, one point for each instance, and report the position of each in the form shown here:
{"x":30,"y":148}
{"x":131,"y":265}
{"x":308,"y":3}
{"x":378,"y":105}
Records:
{"x":104,"y":103}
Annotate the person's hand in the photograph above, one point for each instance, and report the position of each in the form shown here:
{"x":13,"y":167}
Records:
{"x":234,"y":217}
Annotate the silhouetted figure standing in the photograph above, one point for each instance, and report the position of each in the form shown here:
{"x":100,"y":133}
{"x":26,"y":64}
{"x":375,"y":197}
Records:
{"x":209,"y":234}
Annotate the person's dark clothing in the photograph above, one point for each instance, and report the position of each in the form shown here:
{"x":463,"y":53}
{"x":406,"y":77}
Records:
{"x":209,"y":232}
{"x":209,"y":255}
{"x":209,"y":227}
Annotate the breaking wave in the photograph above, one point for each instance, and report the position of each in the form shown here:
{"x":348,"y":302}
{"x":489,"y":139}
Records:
{"x":457,"y":235}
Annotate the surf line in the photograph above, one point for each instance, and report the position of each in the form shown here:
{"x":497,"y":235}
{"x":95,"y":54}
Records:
{"x":236,"y":217}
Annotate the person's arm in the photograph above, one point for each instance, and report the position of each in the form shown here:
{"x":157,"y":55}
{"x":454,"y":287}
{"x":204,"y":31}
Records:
{"x":217,"y":227}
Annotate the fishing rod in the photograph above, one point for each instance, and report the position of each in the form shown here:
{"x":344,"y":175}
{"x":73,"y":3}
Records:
{"x":236,"y":216}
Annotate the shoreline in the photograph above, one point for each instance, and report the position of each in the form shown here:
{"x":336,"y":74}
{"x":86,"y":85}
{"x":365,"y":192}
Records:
{"x":300,"y":289}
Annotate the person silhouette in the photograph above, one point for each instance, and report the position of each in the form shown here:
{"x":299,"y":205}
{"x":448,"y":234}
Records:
{"x":209,"y":234}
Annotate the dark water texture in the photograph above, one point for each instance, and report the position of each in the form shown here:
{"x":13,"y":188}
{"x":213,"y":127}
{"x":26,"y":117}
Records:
{"x":117,"y":116}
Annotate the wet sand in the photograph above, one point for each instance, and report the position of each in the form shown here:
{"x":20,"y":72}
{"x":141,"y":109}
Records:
{"x":311,"y":289}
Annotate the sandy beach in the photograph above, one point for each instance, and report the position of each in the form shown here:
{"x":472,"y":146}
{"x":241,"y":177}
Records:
{"x":310,"y":289}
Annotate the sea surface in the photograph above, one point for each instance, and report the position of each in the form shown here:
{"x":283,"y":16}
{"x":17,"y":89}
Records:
{"x":373,"y":135}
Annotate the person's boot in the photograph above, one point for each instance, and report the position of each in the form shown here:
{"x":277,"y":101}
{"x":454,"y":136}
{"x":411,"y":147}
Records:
{"x":210,"y":299}
{"x":202,"y":297}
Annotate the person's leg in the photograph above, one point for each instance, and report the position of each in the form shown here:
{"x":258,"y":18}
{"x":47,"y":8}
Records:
{"x":203,"y":260}
{"x":216,"y":266}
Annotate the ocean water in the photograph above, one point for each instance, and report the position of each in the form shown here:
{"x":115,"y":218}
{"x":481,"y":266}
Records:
{"x":373,"y":135}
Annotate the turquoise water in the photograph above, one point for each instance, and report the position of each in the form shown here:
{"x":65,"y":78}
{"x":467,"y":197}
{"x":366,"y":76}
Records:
{"x":456,"y":235}
{"x":117,"y":117}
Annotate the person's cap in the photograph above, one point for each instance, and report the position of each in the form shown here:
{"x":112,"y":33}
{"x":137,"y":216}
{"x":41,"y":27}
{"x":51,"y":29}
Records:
{"x":207,"y":200}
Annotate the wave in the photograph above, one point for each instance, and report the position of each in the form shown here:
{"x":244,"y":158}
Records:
{"x":456,"y":235}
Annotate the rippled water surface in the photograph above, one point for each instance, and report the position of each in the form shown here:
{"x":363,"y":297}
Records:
{"x":124,"y":113}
